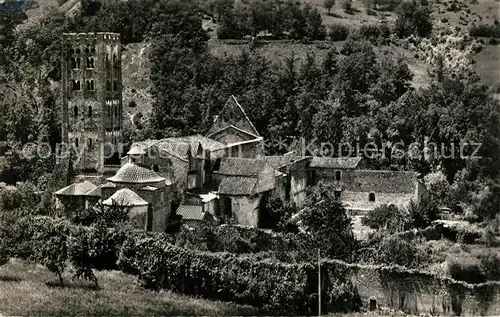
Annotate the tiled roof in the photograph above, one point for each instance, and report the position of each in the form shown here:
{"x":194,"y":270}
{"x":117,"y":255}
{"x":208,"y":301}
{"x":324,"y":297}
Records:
{"x":177,"y":146}
{"x":76,"y":189}
{"x":233,"y":114}
{"x":136,"y":150}
{"x":149,"y":188}
{"x":125,"y":197}
{"x":194,"y":140}
{"x":241,"y":166}
{"x":108,"y":185}
{"x":335,"y":162}
{"x":134,"y":174}
{"x":190,"y":212}
{"x":237,"y":185}
{"x":278,"y":161}
{"x":94,"y":193}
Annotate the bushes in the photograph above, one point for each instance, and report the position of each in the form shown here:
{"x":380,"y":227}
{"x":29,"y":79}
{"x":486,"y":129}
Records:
{"x":285,"y":288}
{"x":374,"y":32}
{"x":484,"y":30}
{"x":394,"y":250}
{"x":338,"y":32}
{"x":389,"y":217}
{"x":413,"y":19}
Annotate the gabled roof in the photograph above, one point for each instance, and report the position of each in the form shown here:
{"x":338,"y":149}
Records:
{"x":233,"y":114}
{"x":76,"y":189}
{"x":190,"y":212}
{"x":134,"y":174}
{"x":108,"y":185}
{"x":241,"y":166}
{"x":125,"y":197}
{"x":194,"y":140}
{"x":335,"y":162}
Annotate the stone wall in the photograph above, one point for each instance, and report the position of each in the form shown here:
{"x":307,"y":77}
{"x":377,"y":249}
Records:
{"x":418,"y":292}
{"x":246,"y":210}
{"x":361,"y":200}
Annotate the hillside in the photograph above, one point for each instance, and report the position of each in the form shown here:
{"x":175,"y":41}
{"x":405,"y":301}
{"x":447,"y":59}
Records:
{"x":446,"y":14}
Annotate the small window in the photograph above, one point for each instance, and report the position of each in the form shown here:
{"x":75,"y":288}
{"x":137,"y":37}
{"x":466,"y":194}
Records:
{"x":90,"y":84}
{"x":93,"y":50}
{"x":71,"y":51}
{"x":155,"y":168}
{"x":108,"y":85}
{"x":76,"y":142}
{"x":371,"y":197}
{"x":338,"y":175}
{"x":87,"y":51}
{"x":116,"y":111}
{"x":75,"y":111}
{"x":90,"y":112}
{"x":115,"y":85}
{"x":76,"y":85}
{"x":78,"y":51}
{"x":90,"y":143}
{"x":133,"y":160}
{"x":90,"y":62}
{"x":108,"y":62}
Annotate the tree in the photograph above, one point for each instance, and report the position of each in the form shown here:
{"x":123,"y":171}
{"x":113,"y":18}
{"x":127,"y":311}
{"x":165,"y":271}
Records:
{"x":347,"y":6}
{"x":389,"y":217}
{"x":329,"y":4}
{"x":326,"y":221}
{"x":413,"y":19}
{"x":49,"y":244}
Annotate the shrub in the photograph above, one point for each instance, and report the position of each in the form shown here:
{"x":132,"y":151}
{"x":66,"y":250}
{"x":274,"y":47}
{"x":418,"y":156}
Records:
{"x":424,"y":213}
{"x":394,"y":250}
{"x":338,"y":32}
{"x":467,"y":269}
{"x":347,"y":6}
{"x":373,"y":32}
{"x":389,"y":217}
{"x":490,"y":266}
{"x":484,"y":30}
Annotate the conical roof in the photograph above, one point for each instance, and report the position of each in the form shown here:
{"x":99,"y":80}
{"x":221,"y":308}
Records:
{"x":125,"y":197}
{"x":134,"y":174}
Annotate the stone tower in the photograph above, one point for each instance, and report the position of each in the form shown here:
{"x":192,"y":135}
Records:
{"x":92,"y":98}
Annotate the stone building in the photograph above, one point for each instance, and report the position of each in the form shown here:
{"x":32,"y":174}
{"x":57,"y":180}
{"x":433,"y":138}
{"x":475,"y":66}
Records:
{"x":243,"y":184}
{"x":92,"y":98}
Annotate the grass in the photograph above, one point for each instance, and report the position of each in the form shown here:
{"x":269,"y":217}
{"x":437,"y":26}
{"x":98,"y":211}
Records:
{"x":26,"y":290}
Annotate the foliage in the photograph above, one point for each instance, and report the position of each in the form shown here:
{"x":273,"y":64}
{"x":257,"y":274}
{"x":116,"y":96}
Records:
{"x":285,"y":288}
{"x":277,"y":214}
{"x":338,"y":32}
{"x":112,"y":216}
{"x":276,"y":17}
{"x":328,"y":4}
{"x":326,"y":220}
{"x":389,"y":217}
{"x":413,"y":20}
{"x":394,"y":250}
{"x":49,"y":244}
{"x":422,"y":214}
{"x":485,"y":30}
{"x":94,"y":247}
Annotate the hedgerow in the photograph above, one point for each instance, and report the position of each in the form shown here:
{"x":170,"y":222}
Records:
{"x":281,"y":287}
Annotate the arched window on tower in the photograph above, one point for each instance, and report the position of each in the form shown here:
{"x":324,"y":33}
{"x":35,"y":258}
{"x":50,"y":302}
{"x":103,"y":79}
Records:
{"x":90,"y":111}
{"x":115,"y":85}
{"x":75,"y":111}
{"x":116,"y":111}
{"x":90,"y":143}
{"x":90,"y":84}
{"x":90,"y":62}
{"x":76,"y":85}
{"x":108,"y":85}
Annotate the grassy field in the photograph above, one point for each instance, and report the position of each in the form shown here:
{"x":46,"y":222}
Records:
{"x":26,"y":290}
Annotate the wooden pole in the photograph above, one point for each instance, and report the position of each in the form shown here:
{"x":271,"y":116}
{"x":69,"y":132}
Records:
{"x":319,"y":282}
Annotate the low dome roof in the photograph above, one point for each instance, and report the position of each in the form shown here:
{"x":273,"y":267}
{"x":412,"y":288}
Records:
{"x":134,"y":174}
